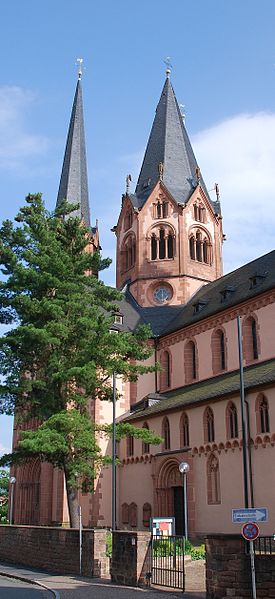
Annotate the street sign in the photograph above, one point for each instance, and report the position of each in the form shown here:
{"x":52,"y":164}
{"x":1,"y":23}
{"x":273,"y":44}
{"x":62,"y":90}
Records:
{"x":252,"y":514}
{"x":250,"y":531}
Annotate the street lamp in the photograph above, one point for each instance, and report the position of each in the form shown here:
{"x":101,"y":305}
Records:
{"x":184,"y":469}
{"x":12,"y":483}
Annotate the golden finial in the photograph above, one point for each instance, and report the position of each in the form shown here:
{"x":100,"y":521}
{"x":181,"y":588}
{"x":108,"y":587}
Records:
{"x":160,"y":167}
{"x":217,"y":190}
{"x":168,"y":63}
{"x":79,"y":62}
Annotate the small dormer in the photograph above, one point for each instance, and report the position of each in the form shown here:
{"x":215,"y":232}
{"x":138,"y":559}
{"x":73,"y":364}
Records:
{"x":256,"y":279}
{"x":227,"y":292}
{"x":199,"y":305}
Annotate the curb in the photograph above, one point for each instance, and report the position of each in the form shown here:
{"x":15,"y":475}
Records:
{"x":30,"y":581}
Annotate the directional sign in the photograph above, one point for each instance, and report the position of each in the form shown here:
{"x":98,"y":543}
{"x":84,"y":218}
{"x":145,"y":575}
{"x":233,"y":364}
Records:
{"x":250,"y":531}
{"x":252,"y":514}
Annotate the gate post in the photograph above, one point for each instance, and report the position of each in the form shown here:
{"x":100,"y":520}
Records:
{"x":130,"y":557}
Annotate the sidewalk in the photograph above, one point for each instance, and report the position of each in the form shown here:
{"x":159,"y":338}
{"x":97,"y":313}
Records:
{"x":73,"y":587}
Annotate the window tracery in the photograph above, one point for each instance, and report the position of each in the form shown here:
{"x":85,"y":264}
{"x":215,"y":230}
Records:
{"x":128,"y":253}
{"x":200,"y":247}
{"x":162,"y":245}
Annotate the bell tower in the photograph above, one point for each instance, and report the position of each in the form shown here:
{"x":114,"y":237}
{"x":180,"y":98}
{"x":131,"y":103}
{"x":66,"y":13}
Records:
{"x":169,"y":232}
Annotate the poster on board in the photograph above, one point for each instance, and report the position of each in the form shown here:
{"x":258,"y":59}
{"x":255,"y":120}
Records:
{"x":163,"y":527}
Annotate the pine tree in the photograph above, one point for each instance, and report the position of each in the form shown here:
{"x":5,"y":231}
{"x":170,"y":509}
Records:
{"x":60,"y":352}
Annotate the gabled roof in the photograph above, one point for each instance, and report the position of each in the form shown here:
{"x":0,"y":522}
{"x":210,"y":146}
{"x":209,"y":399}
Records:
{"x":74,"y":181}
{"x":240,"y":285}
{"x":169,"y":145}
{"x":232,"y":289}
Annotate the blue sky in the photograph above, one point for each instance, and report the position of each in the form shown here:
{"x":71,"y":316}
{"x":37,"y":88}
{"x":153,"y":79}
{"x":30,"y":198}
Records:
{"x":223,"y":56}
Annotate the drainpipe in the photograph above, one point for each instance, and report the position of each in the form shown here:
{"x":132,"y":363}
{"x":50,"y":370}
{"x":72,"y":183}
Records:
{"x":156,"y":355}
{"x":249,"y":453}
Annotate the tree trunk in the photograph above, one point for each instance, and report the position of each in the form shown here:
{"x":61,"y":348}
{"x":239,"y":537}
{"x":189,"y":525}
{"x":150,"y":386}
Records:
{"x":73,"y":504}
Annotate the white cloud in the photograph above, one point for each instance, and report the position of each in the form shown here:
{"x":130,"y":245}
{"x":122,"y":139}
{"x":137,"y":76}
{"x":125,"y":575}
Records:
{"x":18,"y":145}
{"x":239,"y":154}
{"x":3,"y":449}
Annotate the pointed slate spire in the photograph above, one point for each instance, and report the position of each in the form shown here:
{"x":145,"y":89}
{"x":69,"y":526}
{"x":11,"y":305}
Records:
{"x":74,"y":181}
{"x":169,"y":155}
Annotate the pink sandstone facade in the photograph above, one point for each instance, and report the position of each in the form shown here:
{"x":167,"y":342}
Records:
{"x":169,"y":264}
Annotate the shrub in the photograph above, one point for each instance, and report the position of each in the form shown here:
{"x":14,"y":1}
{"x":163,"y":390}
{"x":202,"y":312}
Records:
{"x":109,"y":544}
{"x":198,"y":552}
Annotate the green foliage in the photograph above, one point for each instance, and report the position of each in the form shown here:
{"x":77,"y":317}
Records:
{"x":187,"y":547}
{"x":198,"y":552}
{"x":4,"y":493}
{"x":59,"y":352}
{"x":109,"y":544}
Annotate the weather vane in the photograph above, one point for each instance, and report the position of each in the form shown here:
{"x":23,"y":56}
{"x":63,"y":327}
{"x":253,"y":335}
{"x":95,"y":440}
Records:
{"x":168,"y":63}
{"x":79,"y":62}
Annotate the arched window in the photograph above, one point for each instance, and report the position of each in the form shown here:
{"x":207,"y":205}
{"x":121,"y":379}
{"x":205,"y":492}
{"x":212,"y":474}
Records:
{"x":198,"y":246}
{"x":184,"y":431}
{"x":160,"y":209}
{"x":128,"y":253}
{"x":145,"y":446}
{"x":262,"y":414}
{"x":170,"y":246}
{"x":166,"y":433}
{"x":162,"y":253}
{"x":201,"y":214}
{"x":129,"y":446}
{"x":133,"y":515}
{"x":165,"y":379}
{"x":146,"y":514}
{"x":196,"y":212}
{"x":209,"y":426}
{"x":213,"y":480}
{"x":162,"y":243}
{"x":232,"y":421}
{"x":128,"y":220}
{"x":153,"y":247}
{"x":125,"y":513}
{"x":250,"y":339}
{"x":190,"y":362}
{"x":192,"y":247}
{"x":218,"y":351}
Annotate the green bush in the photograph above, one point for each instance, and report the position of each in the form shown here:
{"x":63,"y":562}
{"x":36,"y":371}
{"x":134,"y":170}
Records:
{"x":198,"y":552}
{"x":188,"y":547}
{"x":109,"y":544}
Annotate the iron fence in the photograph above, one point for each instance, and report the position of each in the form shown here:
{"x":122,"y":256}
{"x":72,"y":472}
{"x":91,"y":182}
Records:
{"x":265,"y":545}
{"x":167,"y":560}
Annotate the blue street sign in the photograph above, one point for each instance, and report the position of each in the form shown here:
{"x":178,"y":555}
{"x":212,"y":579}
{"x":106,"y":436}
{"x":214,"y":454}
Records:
{"x":251,"y":514}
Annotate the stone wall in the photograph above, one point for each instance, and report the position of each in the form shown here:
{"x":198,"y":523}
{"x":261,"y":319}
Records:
{"x":130,"y":557}
{"x":55,"y":549}
{"x":228,"y":571}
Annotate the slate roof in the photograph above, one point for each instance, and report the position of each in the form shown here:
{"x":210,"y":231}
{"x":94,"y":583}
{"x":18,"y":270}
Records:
{"x":240,"y":285}
{"x":169,"y":144}
{"x":210,"y":389}
{"x":74,"y":181}
{"x":134,"y":315}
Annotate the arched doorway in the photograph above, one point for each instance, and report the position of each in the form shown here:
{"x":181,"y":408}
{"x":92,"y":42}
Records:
{"x":27,"y":499}
{"x":169,"y":493}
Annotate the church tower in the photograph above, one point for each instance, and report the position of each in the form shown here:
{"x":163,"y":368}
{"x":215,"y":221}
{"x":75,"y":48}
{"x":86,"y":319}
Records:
{"x":169,"y":232}
{"x":74,"y":179}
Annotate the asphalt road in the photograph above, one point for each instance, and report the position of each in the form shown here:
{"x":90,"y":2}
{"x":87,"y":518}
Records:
{"x":16,"y":589}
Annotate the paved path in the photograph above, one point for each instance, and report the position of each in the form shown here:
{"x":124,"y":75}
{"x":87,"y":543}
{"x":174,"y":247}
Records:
{"x":73,"y":587}
{"x":13,"y":589}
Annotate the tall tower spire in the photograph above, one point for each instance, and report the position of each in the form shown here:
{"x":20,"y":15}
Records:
{"x":74,"y":181}
{"x":169,"y":232}
{"x":169,"y":146}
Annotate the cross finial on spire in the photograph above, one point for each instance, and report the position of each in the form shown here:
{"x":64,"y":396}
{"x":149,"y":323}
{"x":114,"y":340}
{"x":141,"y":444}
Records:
{"x":79,"y":63}
{"x":168,"y":63}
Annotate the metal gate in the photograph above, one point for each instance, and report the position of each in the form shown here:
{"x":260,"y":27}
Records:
{"x":167,"y":561}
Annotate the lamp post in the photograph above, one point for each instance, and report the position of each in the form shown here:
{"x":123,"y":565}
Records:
{"x":184,"y":469}
{"x":12,"y":483}
{"x":114,"y":456}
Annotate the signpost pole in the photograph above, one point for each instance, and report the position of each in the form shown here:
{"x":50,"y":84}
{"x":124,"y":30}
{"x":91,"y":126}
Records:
{"x":80,"y":540}
{"x":252,"y":562}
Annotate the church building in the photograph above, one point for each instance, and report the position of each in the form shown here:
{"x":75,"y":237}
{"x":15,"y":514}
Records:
{"x":169,"y":267}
